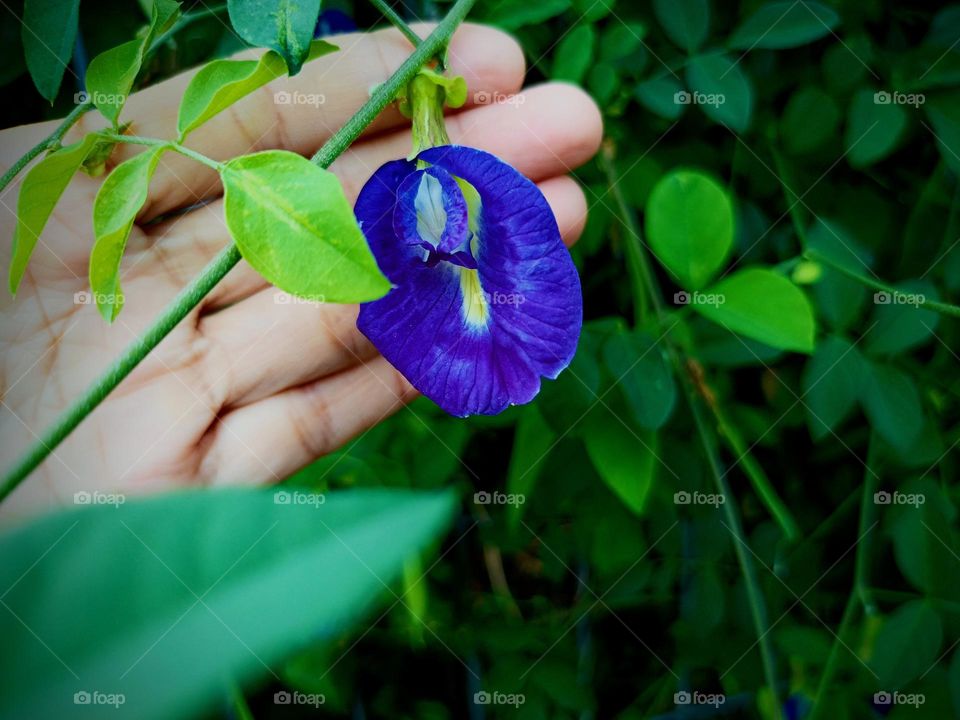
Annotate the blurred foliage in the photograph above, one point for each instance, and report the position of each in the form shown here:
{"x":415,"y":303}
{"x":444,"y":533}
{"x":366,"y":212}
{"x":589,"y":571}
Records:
{"x":610,"y":589}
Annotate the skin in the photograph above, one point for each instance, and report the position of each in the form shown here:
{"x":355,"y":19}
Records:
{"x":246,"y":390}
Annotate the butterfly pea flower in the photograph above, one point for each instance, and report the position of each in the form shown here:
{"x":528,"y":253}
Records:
{"x":486,"y":300}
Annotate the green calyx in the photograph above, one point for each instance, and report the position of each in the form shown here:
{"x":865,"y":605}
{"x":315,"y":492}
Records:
{"x":423,"y":102}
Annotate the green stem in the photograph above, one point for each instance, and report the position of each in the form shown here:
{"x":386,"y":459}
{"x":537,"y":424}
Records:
{"x":398,"y":22}
{"x":47,"y":143}
{"x":218,"y":268}
{"x":940,"y":307}
{"x":154,"y":142}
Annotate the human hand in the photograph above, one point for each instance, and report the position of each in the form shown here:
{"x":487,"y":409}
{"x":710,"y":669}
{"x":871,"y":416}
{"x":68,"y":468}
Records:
{"x":252,"y":385}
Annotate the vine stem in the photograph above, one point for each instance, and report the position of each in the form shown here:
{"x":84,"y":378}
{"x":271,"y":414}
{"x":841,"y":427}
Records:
{"x":218,"y":268}
{"x":645,"y":275}
{"x":398,"y":22}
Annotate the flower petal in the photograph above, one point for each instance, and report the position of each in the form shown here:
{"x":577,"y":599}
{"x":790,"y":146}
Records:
{"x":431,"y":213}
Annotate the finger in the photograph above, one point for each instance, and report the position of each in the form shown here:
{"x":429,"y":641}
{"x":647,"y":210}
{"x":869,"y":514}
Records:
{"x":286,"y":343}
{"x":270,"y":439}
{"x":554,"y":128}
{"x":490,"y":61}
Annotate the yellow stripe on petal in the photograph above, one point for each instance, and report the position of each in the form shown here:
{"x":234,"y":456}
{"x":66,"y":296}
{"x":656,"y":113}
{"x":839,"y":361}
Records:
{"x":476,"y":309}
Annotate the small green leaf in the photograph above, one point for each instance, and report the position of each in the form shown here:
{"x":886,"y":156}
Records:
{"x":532,"y":443}
{"x":285,"y":26}
{"x":874,"y":128}
{"x":48,"y":30}
{"x":662,"y":96}
{"x":514,"y":14}
{"x":809,"y":121}
{"x":899,"y":322}
{"x":689,"y":224}
{"x":118,"y":201}
{"x":574,"y":54}
{"x":892,"y":403}
{"x":907,"y":644}
{"x":725,"y":93}
{"x":785,"y":24}
{"x":221,"y":83}
{"x":41,"y":189}
{"x":626,"y":459}
{"x":763,"y":305}
{"x":293,"y":224}
{"x":640,"y":370}
{"x":840,"y":299}
{"x":194,"y":587}
{"x":686,"y":22}
{"x":831,"y":384}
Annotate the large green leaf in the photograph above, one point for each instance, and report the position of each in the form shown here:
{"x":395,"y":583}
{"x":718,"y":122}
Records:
{"x":725,"y":92}
{"x":574,"y":54}
{"x":196,"y":588}
{"x":293,"y":224}
{"x":219,"y":84}
{"x":785,"y":24}
{"x":763,"y":305}
{"x":810,"y":120}
{"x":686,"y":22}
{"x":907,"y":644}
{"x":626,"y":459}
{"x":285,"y":26}
{"x":639,"y":369}
{"x":873,"y":129}
{"x":39,"y":193}
{"x":831,"y":384}
{"x":49,"y":29}
{"x":689,"y":224}
{"x":118,"y":201}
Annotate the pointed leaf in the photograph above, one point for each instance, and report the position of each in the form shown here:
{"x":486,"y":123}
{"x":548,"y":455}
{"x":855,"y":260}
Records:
{"x":726,"y":92}
{"x":785,"y":24}
{"x":285,"y":26}
{"x":48,"y":30}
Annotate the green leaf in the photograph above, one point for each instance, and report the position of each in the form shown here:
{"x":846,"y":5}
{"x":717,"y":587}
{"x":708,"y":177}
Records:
{"x":640,"y":370}
{"x":810,"y":121}
{"x":118,"y":201}
{"x":727,"y":96}
{"x":514,"y":14}
{"x":689,"y":225}
{"x":840,"y":299}
{"x":763,"y":305}
{"x":924,"y":540}
{"x":221,"y":83}
{"x":624,"y":458}
{"x":892,"y":403}
{"x":686,"y":22}
{"x":49,"y":29}
{"x":831,"y":384}
{"x":532,"y":443}
{"x":194,"y":588}
{"x":943,"y":110}
{"x":574,"y":54}
{"x":660,"y":96}
{"x":285,"y":26}
{"x":39,"y":193}
{"x":873,"y":128}
{"x":785,"y":24}
{"x":907,"y":644}
{"x":899,"y":323}
{"x":293,"y":224}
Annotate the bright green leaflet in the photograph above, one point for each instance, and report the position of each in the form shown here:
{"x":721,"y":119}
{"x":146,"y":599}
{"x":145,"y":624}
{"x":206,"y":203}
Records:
{"x":118,"y":201}
{"x":873,"y":129}
{"x":719,"y":77}
{"x":111,"y":74}
{"x":48,"y":30}
{"x":285,"y":26}
{"x":216,"y":583}
{"x":41,"y":189}
{"x":293,"y":224}
{"x":763,"y":305}
{"x":574,"y":54}
{"x":689,"y":224}
{"x":221,"y":83}
{"x":831,"y":384}
{"x":785,"y":24}
{"x":686,"y":22}
{"x":626,"y":459}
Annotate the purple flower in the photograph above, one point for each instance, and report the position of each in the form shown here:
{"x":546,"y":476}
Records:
{"x":486,"y":298}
